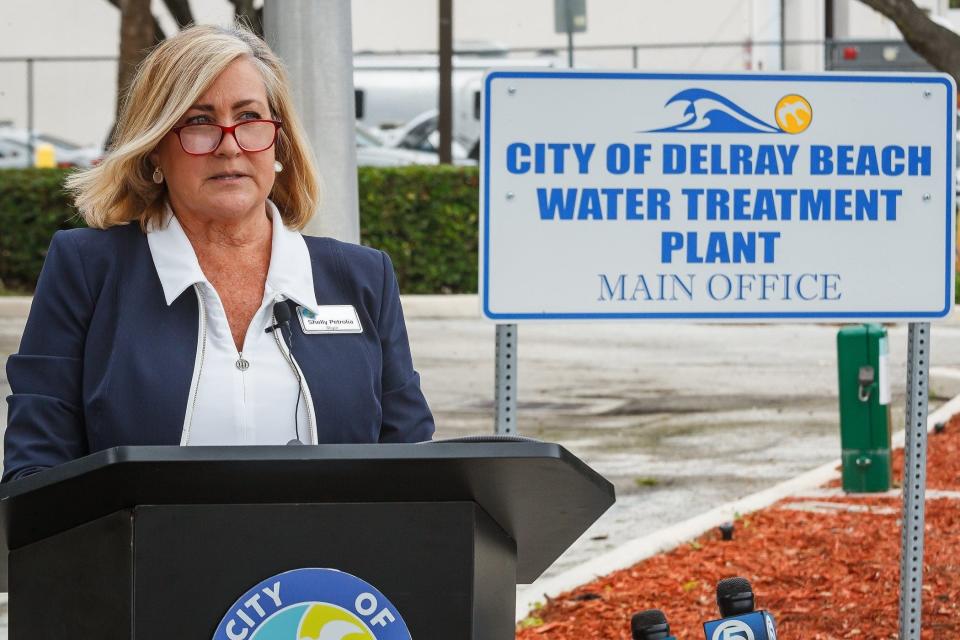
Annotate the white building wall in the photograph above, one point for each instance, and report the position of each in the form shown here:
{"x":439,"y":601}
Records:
{"x":76,"y":99}
{"x":861,"y":22}
{"x":855,"y":20}
{"x":530,"y":23}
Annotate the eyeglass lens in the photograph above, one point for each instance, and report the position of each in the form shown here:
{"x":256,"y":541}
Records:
{"x":251,"y":136}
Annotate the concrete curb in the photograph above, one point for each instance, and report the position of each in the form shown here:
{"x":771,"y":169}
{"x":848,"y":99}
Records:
{"x":441,"y":306}
{"x":632,"y":552}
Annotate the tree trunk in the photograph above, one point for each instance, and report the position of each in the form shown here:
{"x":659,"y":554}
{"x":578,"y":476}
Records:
{"x":158,"y":34}
{"x":180,"y":10}
{"x":244,"y":12}
{"x":936,"y":44}
{"x":136,"y":38}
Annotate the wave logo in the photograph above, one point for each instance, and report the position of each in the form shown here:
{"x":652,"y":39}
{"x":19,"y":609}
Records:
{"x":312,"y":604}
{"x":709,"y":112}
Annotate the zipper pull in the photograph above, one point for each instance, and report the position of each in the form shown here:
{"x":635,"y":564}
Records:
{"x":242,"y":363}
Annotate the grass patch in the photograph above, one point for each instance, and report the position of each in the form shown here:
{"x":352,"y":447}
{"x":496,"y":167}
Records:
{"x":530,"y":621}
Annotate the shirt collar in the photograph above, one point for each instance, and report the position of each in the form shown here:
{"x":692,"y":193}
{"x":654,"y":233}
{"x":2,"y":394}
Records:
{"x":290,"y":273}
{"x":291,"y":270}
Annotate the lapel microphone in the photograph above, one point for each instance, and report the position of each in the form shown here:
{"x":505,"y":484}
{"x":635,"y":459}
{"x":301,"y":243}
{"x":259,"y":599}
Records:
{"x":281,"y":313}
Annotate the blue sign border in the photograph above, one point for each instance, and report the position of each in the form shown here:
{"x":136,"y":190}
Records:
{"x":825,"y":315}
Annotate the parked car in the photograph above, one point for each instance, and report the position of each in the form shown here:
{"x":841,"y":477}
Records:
{"x":391,"y":89}
{"x":422,"y":134}
{"x":14,"y":155}
{"x":371,"y":152}
{"x":67,"y":153}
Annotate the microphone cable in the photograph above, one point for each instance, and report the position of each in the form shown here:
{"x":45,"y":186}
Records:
{"x":281,"y":318}
{"x":296,"y":408}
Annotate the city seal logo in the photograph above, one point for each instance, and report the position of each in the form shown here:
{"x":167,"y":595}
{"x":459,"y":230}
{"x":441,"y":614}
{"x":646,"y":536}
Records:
{"x":706,"y":111}
{"x":312,"y":604}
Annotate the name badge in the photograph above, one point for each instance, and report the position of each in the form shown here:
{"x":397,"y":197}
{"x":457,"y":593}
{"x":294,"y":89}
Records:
{"x":333,"y":318}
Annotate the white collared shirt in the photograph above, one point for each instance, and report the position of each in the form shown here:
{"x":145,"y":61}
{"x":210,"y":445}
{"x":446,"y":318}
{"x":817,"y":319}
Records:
{"x":230,"y":404}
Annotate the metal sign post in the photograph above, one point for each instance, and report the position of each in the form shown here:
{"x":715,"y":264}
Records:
{"x":914,"y":481}
{"x":723,"y":198}
{"x":570,"y":16}
{"x":505,"y":395}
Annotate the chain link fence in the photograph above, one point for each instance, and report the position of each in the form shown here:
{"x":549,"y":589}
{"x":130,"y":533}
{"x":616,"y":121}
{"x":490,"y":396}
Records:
{"x":75,"y":97}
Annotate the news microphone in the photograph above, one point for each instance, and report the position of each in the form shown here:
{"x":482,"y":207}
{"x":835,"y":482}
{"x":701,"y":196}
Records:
{"x":650,"y":625}
{"x":740,"y":621}
{"x":734,"y":596}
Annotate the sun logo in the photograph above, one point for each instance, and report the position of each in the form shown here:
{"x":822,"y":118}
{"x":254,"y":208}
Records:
{"x":793,"y":113}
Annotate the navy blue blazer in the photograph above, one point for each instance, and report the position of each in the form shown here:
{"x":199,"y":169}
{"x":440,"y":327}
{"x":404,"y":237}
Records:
{"x":105,"y":362}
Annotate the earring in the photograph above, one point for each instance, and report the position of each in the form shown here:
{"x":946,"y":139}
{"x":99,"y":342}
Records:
{"x":277,"y":166}
{"x":157,"y":175}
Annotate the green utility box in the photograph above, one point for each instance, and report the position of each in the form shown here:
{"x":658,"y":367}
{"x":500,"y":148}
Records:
{"x":862,"y":356}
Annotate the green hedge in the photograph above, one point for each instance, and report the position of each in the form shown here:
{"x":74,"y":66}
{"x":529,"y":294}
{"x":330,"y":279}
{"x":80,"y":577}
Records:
{"x":32,"y":206}
{"x":424,"y":217}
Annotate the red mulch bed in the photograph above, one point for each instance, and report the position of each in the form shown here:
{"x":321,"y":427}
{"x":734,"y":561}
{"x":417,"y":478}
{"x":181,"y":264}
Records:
{"x":822,"y":575}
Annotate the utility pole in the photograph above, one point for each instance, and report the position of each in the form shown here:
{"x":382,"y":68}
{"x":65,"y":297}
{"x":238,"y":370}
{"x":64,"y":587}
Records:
{"x":445,"y":65}
{"x":314,"y":39}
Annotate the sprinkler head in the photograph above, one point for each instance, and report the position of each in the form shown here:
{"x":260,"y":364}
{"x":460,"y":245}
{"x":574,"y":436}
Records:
{"x":726,"y":531}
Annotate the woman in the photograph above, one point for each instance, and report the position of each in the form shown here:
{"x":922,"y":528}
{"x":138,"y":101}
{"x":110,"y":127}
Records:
{"x":192,"y":312}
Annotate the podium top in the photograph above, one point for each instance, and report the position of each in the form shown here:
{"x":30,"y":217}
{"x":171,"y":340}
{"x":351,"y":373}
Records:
{"x":539,"y":493}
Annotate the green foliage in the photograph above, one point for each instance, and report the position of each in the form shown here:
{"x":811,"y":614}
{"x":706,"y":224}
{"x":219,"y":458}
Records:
{"x":32,"y":206}
{"x":533,"y":618}
{"x":530,"y":621}
{"x":425,"y":217}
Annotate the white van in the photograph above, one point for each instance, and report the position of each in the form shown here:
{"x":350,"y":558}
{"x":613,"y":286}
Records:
{"x":391,"y":90}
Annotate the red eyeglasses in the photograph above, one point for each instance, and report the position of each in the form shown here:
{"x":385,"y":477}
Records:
{"x":251,"y":136}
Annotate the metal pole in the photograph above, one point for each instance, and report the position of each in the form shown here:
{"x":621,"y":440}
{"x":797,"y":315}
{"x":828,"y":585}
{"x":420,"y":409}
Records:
{"x":30,"y":124}
{"x":505,"y":395}
{"x":914,"y":481}
{"x":783,"y":36}
{"x":314,"y":39}
{"x":635,"y":60}
{"x":445,"y":123}
{"x":568,"y":10}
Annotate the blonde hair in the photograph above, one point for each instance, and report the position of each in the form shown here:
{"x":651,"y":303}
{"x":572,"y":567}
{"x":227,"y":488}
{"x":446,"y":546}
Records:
{"x":170,"y":80}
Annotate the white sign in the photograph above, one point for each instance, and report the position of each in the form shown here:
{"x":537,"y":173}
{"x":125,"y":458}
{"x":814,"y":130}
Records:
{"x":719,"y":197}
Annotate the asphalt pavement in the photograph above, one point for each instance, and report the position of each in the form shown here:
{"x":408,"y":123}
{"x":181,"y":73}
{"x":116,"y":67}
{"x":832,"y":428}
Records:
{"x":679,"y":417}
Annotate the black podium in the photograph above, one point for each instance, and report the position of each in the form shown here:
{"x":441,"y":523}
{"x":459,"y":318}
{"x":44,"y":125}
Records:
{"x":153,"y":543}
